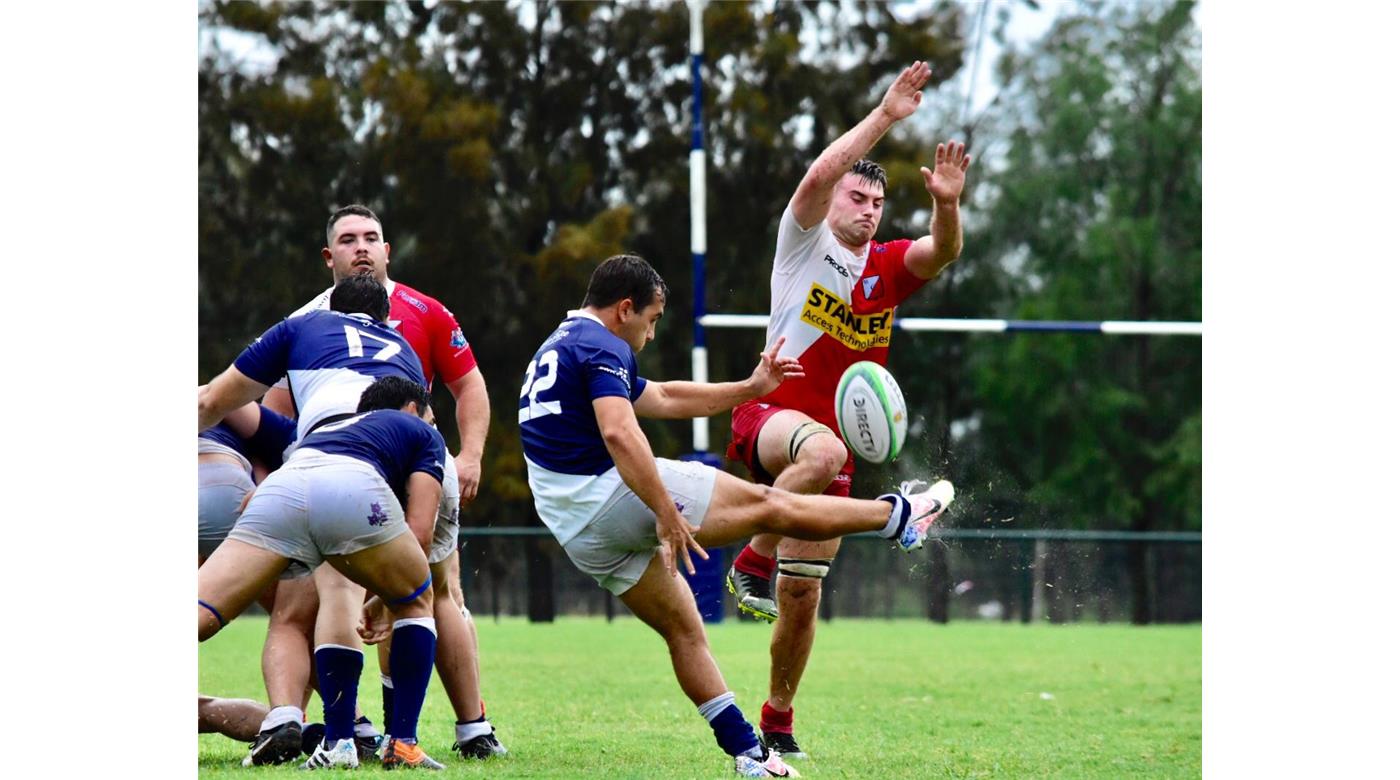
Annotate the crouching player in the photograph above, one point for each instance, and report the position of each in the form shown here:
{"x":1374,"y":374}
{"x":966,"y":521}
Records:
{"x":360,"y":494}
{"x":609,"y":501}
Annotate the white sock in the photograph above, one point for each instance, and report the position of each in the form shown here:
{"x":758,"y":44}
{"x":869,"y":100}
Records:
{"x":279,"y":715}
{"x":899,"y":510}
{"x":476,"y":728}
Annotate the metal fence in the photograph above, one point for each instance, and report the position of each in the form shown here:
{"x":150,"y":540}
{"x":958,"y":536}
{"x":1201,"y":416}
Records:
{"x":961,"y":574}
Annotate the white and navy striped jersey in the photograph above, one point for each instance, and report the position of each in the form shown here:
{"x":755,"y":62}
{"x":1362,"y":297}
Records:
{"x":329,"y":358}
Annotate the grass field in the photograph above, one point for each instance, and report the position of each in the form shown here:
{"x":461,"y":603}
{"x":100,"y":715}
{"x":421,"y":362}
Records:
{"x":582,"y":697}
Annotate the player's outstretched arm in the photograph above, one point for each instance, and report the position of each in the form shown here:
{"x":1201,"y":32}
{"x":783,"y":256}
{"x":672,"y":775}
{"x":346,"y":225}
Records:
{"x":636,"y":464}
{"x":932,"y":253}
{"x":226,"y":393}
{"x":813,"y":196}
{"x":680,"y":400}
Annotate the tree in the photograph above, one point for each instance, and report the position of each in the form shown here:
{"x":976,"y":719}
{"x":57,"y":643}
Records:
{"x":1097,"y":210}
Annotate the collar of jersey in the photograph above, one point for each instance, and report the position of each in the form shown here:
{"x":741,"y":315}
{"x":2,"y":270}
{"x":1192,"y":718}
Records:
{"x":581,"y":313}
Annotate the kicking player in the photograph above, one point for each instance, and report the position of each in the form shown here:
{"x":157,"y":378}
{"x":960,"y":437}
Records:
{"x":355,"y":245}
{"x":609,"y":501}
{"x":360,"y":493}
{"x":834,"y":293}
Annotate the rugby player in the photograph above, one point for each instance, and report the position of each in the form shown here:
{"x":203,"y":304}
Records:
{"x":235,"y":455}
{"x":609,"y":501}
{"x":834,"y":293}
{"x":331,"y":357}
{"x":361,"y":493}
{"x":355,"y":245}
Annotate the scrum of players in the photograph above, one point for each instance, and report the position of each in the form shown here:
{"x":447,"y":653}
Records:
{"x":328,"y":495}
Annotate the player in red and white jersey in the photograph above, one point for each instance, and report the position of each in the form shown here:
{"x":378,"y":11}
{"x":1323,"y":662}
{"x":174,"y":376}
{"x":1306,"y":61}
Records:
{"x":834,"y":294}
{"x":355,"y":245}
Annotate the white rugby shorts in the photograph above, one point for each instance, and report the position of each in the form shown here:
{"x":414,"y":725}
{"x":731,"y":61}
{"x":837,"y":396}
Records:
{"x":617,"y":543}
{"x":317,"y":505}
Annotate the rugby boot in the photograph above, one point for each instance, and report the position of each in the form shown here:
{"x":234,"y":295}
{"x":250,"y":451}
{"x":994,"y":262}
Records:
{"x":400,"y":754}
{"x":753,"y":593}
{"x":481,"y":746}
{"x":925,"y":507}
{"x":772,"y":766}
{"x":783,"y":744}
{"x":340,"y":755}
{"x":275,"y":745}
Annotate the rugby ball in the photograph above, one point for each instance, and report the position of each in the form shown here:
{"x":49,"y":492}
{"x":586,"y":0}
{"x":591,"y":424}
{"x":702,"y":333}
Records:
{"x":871,"y":413}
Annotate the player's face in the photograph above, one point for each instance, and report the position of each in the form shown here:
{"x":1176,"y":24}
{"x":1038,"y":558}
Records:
{"x":357,"y":247}
{"x":640,"y":328}
{"x":855,"y":210}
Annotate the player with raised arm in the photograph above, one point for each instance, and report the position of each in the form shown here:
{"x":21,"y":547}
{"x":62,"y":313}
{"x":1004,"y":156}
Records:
{"x":630,"y":519}
{"x":833,"y":298}
{"x":356,"y":245}
{"x":361,"y":493}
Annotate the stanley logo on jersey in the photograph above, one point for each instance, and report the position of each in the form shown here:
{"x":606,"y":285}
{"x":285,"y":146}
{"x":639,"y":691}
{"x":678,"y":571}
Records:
{"x":826,"y":311}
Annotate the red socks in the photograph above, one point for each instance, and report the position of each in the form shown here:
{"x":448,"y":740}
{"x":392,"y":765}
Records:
{"x":750,"y":562}
{"x":772,"y":720}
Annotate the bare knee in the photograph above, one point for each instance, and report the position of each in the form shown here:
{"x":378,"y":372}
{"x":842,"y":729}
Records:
{"x":818,"y":463}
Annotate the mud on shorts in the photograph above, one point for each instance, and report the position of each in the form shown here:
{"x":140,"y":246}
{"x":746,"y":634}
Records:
{"x":745,"y":423}
{"x":616,"y":546}
{"x":318,"y":505}
{"x":222,"y":487}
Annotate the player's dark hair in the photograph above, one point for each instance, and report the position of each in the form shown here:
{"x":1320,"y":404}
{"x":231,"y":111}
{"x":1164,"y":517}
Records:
{"x":870,"y":172}
{"x":361,"y":294}
{"x":393,"y":392}
{"x":624,"y":276}
{"x":353,"y":210}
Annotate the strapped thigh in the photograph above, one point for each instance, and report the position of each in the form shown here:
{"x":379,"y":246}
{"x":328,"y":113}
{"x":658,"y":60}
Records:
{"x":810,"y":568}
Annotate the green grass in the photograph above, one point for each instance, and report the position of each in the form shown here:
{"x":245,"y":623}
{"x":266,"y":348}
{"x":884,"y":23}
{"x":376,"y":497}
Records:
{"x":901,"y":698}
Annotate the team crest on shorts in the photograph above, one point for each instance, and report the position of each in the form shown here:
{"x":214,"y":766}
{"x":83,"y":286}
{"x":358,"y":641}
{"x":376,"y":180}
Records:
{"x":377,"y":515}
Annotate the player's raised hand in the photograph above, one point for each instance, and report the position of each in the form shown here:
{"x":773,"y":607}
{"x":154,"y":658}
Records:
{"x":905,"y":94}
{"x":945,"y":181}
{"x":772,"y":370}
{"x":677,"y":539}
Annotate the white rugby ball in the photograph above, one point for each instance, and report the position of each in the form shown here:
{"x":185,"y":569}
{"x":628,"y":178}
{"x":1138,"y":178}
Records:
{"x":871,"y":412}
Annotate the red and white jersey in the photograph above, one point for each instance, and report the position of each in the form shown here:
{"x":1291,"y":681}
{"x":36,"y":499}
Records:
{"x":425,"y":324}
{"x":834,"y":306}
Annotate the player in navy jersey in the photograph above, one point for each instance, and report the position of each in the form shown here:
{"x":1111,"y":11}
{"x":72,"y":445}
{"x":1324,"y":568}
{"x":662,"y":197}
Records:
{"x":234,"y":455}
{"x":329,"y":358}
{"x":356,"y":244}
{"x":360,"y":493}
{"x":629,"y":519}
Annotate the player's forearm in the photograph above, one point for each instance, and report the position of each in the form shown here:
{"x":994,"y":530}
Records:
{"x":424,"y":494}
{"x":836,"y":159}
{"x":702,"y":399}
{"x":945,"y":226}
{"x":636,"y":464}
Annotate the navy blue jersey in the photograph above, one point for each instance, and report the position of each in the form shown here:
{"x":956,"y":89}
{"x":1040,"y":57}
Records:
{"x":579,"y":362}
{"x":274,"y":434}
{"x":329,"y":359}
{"x":395,"y":443}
